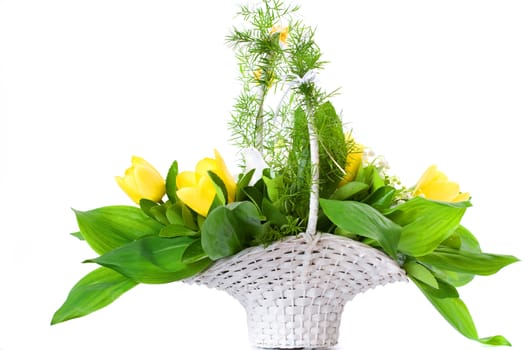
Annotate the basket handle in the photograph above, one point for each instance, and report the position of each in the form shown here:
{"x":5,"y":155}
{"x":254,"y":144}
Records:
{"x":313,"y":213}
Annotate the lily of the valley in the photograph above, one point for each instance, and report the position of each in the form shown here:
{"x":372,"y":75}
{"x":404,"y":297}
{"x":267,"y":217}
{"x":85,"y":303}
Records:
{"x":196,"y":189}
{"x":142,"y":180}
{"x":435,"y":185}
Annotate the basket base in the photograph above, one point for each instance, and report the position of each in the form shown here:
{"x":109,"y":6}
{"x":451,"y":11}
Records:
{"x":294,"y":290}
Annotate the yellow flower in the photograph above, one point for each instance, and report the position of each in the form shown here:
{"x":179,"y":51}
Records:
{"x":435,"y":185}
{"x":257,"y":74}
{"x":142,"y":180}
{"x":283,"y":33}
{"x":196,"y":190}
{"x":353,"y":162}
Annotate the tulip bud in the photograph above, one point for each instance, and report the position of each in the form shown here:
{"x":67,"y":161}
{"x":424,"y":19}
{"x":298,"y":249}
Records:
{"x":142,"y":180}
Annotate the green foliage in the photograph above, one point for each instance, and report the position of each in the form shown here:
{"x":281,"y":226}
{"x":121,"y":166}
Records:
{"x":438,"y":221}
{"x":152,"y":260}
{"x":332,"y":148}
{"x":108,"y":228}
{"x":96,"y":290}
{"x":167,"y":241}
{"x":171,"y":182}
{"x":452,"y":308}
{"x":229,"y":229}
{"x":363,"y":220}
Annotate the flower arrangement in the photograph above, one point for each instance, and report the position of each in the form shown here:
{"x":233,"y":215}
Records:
{"x":302,"y":174}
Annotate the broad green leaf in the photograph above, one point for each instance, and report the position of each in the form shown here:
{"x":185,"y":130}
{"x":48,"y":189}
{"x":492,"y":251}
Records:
{"x":273,"y":214}
{"x":171,"y":182}
{"x":273,"y":187}
{"x":362,"y":219}
{"x":421,"y":273}
{"x":466,"y":262}
{"x":370,"y":176}
{"x":381,"y":198}
{"x":248,"y":217}
{"x":107,"y":228}
{"x":425,"y":223}
{"x":194,"y":252}
{"x":456,"y":313}
{"x":152,"y":260}
{"x":97,"y":289}
{"x":463,"y":240}
{"x":220,"y":234}
{"x":244,"y":180}
{"x":175,"y":230}
{"x":349,"y":190}
{"x":255,"y":195}
{"x":444,"y":290}
{"x":229,"y":229}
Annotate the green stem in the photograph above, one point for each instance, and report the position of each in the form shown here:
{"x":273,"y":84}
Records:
{"x":259,"y":121}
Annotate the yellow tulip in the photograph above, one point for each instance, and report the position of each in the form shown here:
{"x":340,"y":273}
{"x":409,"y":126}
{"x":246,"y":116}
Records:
{"x":435,"y":185}
{"x":142,"y":180}
{"x":196,"y":190}
{"x":354,"y":159}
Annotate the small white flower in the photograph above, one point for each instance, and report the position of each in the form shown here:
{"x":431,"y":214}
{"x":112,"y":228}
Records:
{"x":254,"y":160}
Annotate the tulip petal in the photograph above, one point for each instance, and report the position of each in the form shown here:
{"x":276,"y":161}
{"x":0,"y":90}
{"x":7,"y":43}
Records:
{"x":186,"y":179}
{"x":205,"y":165}
{"x":127,"y":184}
{"x":465,"y":196}
{"x":142,"y":180}
{"x":222,"y":171}
{"x":435,"y":185}
{"x":198,"y":198}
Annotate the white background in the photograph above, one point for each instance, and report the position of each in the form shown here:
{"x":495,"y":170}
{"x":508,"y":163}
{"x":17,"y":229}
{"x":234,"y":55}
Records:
{"x":86,"y":84}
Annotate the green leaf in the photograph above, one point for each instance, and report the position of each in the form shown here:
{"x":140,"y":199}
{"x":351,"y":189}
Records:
{"x":174,"y":214}
{"x":152,"y":260}
{"x":425,"y":223}
{"x":146,"y":205}
{"x":466,"y":262}
{"x":273,"y":187}
{"x":255,"y":195}
{"x":362,"y":219}
{"x":463,"y":240}
{"x":188,"y":218}
{"x":243,"y":182}
{"x":272,"y":213}
{"x":421,"y":273}
{"x":159,"y":213}
{"x":229,"y":229}
{"x":77,"y":235}
{"x":220,"y":188}
{"x":349,"y":190}
{"x":333,"y":148}
{"x":171,"y":182}
{"x":175,"y":230}
{"x":456,"y":313}
{"x":97,"y":289}
{"x":381,"y":198}
{"x":107,"y":228}
{"x":194,"y":252}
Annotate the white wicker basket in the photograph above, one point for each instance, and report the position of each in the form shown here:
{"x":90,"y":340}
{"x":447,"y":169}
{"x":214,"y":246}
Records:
{"x":294,"y":290}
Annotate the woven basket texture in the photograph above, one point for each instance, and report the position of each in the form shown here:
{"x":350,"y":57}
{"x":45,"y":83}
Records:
{"x":294,"y":290}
